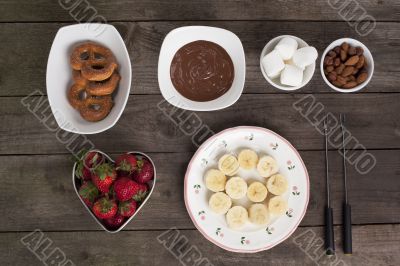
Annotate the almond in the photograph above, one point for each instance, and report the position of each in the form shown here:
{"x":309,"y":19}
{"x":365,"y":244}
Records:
{"x":343,"y":55}
{"x":362,"y":77}
{"x":341,"y":80}
{"x":350,"y":85}
{"x":337,"y":62}
{"x":337,"y":49}
{"x":332,"y":54}
{"x":360,"y":62}
{"x":331,"y":76}
{"x":359,"y":50}
{"x":337,"y":84}
{"x":347,"y":71}
{"x":352,"y":60}
{"x":329,"y":69}
{"x":352,"y":50}
{"x":339,"y":69}
{"x":345,"y":46}
{"x":355,"y":71}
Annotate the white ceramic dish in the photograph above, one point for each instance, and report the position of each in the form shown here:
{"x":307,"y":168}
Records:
{"x":250,"y":238}
{"x":59,"y":76}
{"x":181,"y":36}
{"x":151,"y":185}
{"x":368,"y":57}
{"x":307,"y":73}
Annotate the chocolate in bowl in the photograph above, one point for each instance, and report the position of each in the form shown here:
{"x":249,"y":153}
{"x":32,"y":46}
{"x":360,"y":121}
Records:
{"x":202,"y":71}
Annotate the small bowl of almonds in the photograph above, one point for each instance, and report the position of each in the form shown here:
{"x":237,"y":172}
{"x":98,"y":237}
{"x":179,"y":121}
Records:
{"x":347,"y":65}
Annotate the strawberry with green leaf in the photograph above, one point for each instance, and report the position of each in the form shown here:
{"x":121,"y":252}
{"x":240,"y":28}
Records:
{"x":88,"y":192}
{"x":142,"y":192}
{"x":126,"y":163}
{"x":144,"y":172}
{"x":105,"y":208}
{"x":125,"y":188}
{"x":104,"y":176}
{"x":127,"y":208}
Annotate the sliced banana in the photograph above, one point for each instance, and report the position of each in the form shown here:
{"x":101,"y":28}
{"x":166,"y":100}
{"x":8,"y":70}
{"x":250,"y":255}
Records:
{"x":277,"y":184}
{"x":228,"y":164}
{"x":236,"y":217}
{"x":236,"y":187}
{"x":258,"y":214}
{"x":215,"y":180}
{"x":257,"y":192}
{"x":220,"y":203}
{"x":277,"y":205}
{"x":267,"y":166}
{"x":248,"y":159}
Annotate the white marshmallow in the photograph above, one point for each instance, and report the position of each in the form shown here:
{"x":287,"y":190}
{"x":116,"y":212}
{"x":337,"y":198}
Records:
{"x":305,"y":56}
{"x":286,"y":47}
{"x":290,"y":62}
{"x":272,"y":64}
{"x":291,"y":76}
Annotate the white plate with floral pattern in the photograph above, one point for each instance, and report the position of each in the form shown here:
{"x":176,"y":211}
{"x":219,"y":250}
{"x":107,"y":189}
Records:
{"x":250,"y":238}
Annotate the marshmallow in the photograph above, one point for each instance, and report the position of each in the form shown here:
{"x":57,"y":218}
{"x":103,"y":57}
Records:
{"x":273,"y":64}
{"x":286,"y":47}
{"x":290,"y":62}
{"x":291,"y":76}
{"x":305,"y":56}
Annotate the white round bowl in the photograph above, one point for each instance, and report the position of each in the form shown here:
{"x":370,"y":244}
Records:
{"x":368,"y":57}
{"x":307,"y":73}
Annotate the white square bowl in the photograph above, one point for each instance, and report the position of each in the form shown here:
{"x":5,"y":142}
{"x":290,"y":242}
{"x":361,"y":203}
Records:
{"x":181,"y":36}
{"x":59,"y":75}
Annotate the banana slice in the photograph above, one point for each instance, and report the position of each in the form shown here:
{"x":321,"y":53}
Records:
{"x":248,"y":159}
{"x":257,"y":192}
{"x":277,"y":205}
{"x":258,"y":214}
{"x":277,"y":184}
{"x":228,"y":164}
{"x":220,"y":203}
{"x":236,"y":217}
{"x":236,"y":187}
{"x":267,"y":166}
{"x":215,"y":180}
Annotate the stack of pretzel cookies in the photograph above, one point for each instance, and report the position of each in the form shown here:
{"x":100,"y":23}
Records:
{"x":94,"y":71}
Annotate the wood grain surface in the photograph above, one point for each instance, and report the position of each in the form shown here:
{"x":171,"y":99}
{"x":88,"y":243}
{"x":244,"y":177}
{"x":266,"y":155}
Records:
{"x":36,"y":167}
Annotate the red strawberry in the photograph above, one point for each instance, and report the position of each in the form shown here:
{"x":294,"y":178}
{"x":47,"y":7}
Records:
{"x":105,"y":208}
{"x":115,"y":222}
{"x":93,"y":159}
{"x":88,"y":193}
{"x":125,"y":188}
{"x":144,"y":172}
{"x":127,"y":208}
{"x":142,"y":192}
{"x":103,"y":177}
{"x":126,"y":163}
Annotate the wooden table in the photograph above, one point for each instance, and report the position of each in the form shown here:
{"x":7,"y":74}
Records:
{"x":35,"y":167}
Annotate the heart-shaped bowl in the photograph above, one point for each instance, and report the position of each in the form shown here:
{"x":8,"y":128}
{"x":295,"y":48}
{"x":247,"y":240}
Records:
{"x":151,"y":184}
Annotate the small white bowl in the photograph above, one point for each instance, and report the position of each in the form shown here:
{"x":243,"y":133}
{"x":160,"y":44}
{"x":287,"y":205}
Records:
{"x":181,"y":36}
{"x":59,"y":75}
{"x":368,"y":57}
{"x":307,"y":73}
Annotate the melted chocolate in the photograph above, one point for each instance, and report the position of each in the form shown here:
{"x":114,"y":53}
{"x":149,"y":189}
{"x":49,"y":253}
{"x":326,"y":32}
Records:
{"x":202,"y":71}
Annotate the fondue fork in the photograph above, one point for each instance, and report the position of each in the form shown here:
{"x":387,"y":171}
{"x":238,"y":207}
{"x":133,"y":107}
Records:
{"x":329,"y":236}
{"x":347,"y":237}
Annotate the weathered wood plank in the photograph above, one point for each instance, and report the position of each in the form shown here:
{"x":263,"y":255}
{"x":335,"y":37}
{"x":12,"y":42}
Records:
{"x":372,"y":245}
{"x":373,"y":120}
{"x":38,"y":191}
{"x":21,"y":76}
{"x":42,"y":10}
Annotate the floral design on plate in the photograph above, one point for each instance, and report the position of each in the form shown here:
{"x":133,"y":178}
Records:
{"x":219,"y":233}
{"x":202,"y":215}
{"x":289,"y":213}
{"x":244,"y":241}
{"x":204,"y":163}
{"x":197,"y":188}
{"x":274,"y":146}
{"x":249,"y":137}
{"x":269,"y":230}
{"x":295,"y":191}
{"x":291,"y":166}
